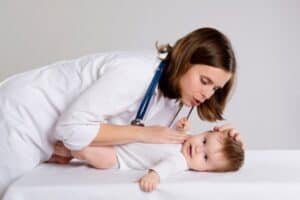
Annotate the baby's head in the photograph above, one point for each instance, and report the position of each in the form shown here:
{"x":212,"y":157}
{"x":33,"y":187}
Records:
{"x":213,"y":151}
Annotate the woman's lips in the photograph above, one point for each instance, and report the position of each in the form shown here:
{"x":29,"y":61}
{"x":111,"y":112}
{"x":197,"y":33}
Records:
{"x":195,"y":102}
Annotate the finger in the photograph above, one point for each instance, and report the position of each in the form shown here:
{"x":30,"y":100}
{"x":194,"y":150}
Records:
{"x":233,"y":133}
{"x":154,"y":186}
{"x":141,"y":185}
{"x":52,"y":159}
{"x":59,"y":144}
{"x":181,"y":125}
{"x":238,"y":138}
{"x":225,"y":127}
{"x":146,"y":186}
{"x":216,"y":128}
{"x":64,"y":160}
{"x":151,"y":188}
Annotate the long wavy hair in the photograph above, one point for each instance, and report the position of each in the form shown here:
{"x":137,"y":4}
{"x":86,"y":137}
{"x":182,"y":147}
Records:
{"x":206,"y":46}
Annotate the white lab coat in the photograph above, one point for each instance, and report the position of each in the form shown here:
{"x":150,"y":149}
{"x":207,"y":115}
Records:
{"x":114,"y":98}
{"x":68,"y":100}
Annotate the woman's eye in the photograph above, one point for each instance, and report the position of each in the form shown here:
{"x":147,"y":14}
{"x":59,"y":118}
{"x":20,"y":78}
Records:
{"x":203,"y":81}
{"x":204,"y":141}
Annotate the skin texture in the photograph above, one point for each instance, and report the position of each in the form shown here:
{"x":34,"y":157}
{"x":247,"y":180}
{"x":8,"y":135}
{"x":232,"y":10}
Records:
{"x":200,"y":82}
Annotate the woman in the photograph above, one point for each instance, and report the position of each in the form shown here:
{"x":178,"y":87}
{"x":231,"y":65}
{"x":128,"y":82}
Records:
{"x":92,"y":100}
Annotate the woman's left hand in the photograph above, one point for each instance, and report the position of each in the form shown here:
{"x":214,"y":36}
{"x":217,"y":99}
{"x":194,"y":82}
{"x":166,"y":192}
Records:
{"x":61,"y":150}
{"x":61,"y":154}
{"x":232,"y":132}
{"x":59,"y":159}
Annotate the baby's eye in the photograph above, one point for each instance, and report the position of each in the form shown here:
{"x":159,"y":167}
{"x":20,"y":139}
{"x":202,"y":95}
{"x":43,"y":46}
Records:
{"x":204,"y":141}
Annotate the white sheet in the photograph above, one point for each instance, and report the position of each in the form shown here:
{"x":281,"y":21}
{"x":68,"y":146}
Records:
{"x":271,"y":174}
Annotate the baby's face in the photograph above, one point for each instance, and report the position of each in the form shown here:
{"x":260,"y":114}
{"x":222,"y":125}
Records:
{"x":203,"y":151}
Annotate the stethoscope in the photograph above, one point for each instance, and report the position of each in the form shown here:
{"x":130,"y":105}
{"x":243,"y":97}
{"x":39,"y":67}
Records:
{"x":138,"y":121}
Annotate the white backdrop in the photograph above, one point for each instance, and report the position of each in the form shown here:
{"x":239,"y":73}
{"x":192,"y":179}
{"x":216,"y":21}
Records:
{"x":265,"y":36}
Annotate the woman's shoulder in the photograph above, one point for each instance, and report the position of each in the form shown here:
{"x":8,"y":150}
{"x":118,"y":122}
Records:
{"x":143,"y":58}
{"x":137,"y":64}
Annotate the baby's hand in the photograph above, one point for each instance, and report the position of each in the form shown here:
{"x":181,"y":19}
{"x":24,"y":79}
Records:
{"x":183,"y":124}
{"x":149,"y":182}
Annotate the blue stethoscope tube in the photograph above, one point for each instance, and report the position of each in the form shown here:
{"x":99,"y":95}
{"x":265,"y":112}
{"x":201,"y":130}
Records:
{"x":138,"y":121}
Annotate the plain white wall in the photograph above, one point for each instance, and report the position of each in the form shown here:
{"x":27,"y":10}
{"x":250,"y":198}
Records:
{"x":265,"y":36}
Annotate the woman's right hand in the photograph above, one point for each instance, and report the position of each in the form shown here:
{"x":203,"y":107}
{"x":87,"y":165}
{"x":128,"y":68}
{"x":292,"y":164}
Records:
{"x":161,"y":135}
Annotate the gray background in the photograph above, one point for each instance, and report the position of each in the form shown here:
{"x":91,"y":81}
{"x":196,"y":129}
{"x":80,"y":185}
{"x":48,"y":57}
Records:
{"x":265,"y":36}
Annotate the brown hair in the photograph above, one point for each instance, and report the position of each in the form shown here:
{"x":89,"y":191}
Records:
{"x":205,"y":46}
{"x":233,"y":153}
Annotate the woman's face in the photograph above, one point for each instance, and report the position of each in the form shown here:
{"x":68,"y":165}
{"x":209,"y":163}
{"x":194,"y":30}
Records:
{"x":200,"y":82}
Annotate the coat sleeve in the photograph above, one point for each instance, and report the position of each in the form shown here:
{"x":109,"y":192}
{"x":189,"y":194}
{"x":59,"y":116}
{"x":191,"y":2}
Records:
{"x":170,"y":165}
{"x":118,"y":88}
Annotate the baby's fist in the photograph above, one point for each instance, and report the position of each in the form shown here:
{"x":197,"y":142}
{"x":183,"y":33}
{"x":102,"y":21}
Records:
{"x":149,"y":182}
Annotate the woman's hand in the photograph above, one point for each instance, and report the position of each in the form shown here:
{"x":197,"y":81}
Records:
{"x":59,"y":159}
{"x":183,"y":124}
{"x":61,"y":154}
{"x":61,"y":150}
{"x":232,"y":132}
{"x":159,"y":135}
{"x":149,"y":182}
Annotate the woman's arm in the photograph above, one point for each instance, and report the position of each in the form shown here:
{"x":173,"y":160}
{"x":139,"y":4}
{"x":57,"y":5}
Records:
{"x":121,"y":134}
{"x":119,"y":87}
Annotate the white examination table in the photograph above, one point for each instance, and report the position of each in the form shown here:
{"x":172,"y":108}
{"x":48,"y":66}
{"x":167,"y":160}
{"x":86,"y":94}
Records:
{"x":266,"y":174}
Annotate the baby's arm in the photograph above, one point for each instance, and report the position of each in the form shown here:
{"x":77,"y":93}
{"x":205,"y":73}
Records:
{"x":100,"y":157}
{"x":149,"y":182}
{"x":167,"y":166}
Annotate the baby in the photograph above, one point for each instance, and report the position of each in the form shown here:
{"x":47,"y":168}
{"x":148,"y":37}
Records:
{"x":211,"y":151}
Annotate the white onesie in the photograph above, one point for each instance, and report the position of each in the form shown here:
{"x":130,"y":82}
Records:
{"x":165,"y":159}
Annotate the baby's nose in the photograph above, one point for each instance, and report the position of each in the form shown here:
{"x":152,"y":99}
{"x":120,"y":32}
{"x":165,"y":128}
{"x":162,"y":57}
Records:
{"x":198,"y":149}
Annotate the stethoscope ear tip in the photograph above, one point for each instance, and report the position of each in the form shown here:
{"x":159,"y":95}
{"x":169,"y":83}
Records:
{"x":137,"y":122}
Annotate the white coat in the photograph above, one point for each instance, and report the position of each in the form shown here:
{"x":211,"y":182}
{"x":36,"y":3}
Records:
{"x":68,"y":100}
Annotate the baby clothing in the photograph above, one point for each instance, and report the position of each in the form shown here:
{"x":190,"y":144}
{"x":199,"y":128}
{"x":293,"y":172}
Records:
{"x":165,"y":159}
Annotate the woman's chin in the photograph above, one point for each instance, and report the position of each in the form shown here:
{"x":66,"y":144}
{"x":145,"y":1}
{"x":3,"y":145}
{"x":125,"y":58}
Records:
{"x":188,"y":104}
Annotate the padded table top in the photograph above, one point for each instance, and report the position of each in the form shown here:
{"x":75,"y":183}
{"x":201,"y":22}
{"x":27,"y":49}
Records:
{"x":266,"y":174}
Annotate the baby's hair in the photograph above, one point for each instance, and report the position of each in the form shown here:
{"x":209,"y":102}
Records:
{"x":233,"y":153}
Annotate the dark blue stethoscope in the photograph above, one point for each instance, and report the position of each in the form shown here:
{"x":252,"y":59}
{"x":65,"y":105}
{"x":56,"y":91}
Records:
{"x":138,"y":121}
